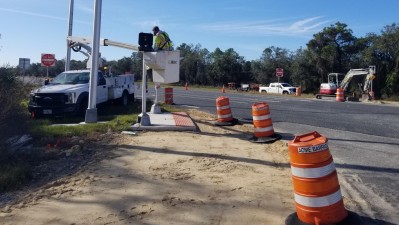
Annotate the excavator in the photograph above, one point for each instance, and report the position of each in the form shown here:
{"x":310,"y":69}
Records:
{"x":335,"y":81}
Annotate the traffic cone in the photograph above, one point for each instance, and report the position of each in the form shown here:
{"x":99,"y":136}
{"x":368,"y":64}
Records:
{"x":340,"y":96}
{"x":263,"y":125}
{"x":223,"y":90}
{"x":186,"y":87}
{"x":317,"y":192}
{"x":225,"y":117}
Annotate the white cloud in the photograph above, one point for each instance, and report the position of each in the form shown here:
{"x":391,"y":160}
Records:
{"x":306,"y":25}
{"x":147,"y":24}
{"x":38,"y":15}
{"x":164,"y":23}
{"x":85,"y":9}
{"x":32,"y":14}
{"x":270,"y":27}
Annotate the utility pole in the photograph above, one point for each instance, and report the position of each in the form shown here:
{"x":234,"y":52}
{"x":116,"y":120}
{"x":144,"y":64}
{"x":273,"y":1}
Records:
{"x":70,"y":24}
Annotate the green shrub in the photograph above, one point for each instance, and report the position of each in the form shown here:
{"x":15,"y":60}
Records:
{"x":12,"y":113}
{"x":13,"y":174}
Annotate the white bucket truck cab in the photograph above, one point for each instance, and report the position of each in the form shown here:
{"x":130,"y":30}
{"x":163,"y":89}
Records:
{"x":68,"y":92}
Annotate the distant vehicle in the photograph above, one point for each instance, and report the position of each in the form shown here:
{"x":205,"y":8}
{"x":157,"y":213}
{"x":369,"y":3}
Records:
{"x":278,"y":88}
{"x":331,"y":87}
{"x":243,"y":87}
{"x":68,"y":93}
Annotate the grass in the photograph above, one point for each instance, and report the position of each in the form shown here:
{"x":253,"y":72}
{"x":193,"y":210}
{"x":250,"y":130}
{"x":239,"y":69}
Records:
{"x":169,"y":108}
{"x":392,"y":99}
{"x":202,"y":87}
{"x":110,"y":116}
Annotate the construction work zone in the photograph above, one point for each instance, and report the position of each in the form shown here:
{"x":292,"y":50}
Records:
{"x":168,"y":177}
{"x":318,"y":198}
{"x":207,"y":177}
{"x":211,"y":177}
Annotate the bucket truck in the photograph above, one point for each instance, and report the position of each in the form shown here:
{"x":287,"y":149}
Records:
{"x":65,"y":96}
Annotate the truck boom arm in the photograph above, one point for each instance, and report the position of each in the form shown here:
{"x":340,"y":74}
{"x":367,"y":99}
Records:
{"x":72,"y":40}
{"x":77,"y":47}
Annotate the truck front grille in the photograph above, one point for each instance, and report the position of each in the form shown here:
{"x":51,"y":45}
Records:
{"x":49,"y":99}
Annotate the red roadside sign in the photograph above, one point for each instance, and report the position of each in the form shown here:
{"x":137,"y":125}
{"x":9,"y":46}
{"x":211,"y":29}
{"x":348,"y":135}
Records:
{"x":279,"y":72}
{"x":48,"y":60}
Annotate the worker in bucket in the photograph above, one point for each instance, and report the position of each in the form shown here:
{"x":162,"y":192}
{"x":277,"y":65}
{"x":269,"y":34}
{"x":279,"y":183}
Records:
{"x":162,"y":40}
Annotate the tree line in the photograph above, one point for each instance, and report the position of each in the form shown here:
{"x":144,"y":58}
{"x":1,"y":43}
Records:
{"x":333,"y":49}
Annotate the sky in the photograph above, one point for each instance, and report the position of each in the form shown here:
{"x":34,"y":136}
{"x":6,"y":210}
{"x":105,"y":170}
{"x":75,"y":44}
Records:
{"x":29,"y":28}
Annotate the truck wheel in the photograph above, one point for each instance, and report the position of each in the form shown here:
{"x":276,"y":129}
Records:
{"x":82,"y":107}
{"x":264,"y":91}
{"x":132,"y":98}
{"x":124,"y":100}
{"x":285,"y":93}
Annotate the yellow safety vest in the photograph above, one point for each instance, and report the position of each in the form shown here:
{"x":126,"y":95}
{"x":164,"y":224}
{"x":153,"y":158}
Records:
{"x":162,"y":41}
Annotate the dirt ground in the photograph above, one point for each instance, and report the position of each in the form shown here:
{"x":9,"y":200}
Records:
{"x":213,"y":176}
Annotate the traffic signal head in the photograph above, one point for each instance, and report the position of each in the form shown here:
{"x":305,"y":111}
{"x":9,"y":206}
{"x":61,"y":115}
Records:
{"x":145,"y":42}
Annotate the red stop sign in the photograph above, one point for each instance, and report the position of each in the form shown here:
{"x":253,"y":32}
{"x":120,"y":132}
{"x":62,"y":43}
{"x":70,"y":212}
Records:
{"x":48,"y":60}
{"x":279,"y":72}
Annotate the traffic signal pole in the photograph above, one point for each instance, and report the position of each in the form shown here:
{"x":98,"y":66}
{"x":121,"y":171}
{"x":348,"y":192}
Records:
{"x":144,"y":118}
{"x":91,"y":112}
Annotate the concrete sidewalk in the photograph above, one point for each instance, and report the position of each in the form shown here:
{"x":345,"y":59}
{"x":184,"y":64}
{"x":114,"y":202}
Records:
{"x":176,"y":121}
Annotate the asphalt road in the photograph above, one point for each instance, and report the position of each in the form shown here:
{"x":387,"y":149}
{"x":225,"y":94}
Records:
{"x":363,"y":139}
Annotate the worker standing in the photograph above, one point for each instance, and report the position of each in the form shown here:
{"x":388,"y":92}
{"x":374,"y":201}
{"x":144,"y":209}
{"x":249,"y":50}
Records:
{"x":162,"y":40}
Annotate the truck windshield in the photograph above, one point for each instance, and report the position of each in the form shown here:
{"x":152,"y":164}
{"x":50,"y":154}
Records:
{"x":72,"y":78}
{"x":286,"y":85}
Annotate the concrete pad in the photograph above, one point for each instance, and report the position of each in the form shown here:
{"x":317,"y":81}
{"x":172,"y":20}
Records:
{"x":176,"y":121}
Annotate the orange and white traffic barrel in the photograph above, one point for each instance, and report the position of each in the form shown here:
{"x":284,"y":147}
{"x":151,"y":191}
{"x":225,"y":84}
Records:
{"x":298,"y":91}
{"x":372,"y":96}
{"x":318,"y":197}
{"x":169,"y":96}
{"x":223,"y":109}
{"x":263,"y":126}
{"x":340,"y":95}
